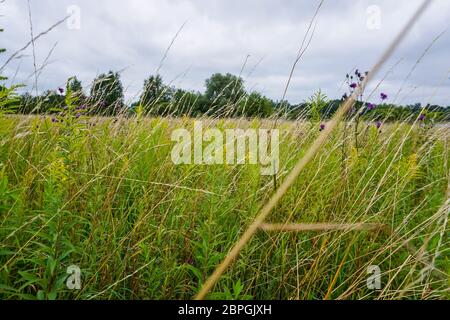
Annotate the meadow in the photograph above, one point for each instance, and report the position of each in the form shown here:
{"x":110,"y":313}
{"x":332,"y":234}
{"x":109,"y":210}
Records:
{"x":103,"y":194}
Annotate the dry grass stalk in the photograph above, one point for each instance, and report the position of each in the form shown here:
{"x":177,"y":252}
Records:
{"x":303,"y":227}
{"x":310,"y":154}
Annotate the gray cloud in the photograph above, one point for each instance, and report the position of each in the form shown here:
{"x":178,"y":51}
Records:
{"x":218,"y":36}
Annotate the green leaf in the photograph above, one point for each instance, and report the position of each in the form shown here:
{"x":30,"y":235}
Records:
{"x":52,"y":295}
{"x":40,"y":295}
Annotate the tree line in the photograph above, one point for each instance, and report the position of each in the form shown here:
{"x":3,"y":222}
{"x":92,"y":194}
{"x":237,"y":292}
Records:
{"x":224,"y":96}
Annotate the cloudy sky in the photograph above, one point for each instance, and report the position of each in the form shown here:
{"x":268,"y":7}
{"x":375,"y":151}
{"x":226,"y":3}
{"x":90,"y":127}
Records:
{"x":261,"y":38}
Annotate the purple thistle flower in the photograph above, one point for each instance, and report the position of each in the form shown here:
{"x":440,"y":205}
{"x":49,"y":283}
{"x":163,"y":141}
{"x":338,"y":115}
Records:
{"x":379,"y":124}
{"x":353,"y":85}
{"x":383,"y":96}
{"x":422,"y":117}
{"x":370,"y":106}
{"x":322,"y":127}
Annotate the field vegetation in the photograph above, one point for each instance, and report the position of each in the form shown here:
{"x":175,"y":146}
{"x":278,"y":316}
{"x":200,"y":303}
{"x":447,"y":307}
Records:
{"x":103,"y":194}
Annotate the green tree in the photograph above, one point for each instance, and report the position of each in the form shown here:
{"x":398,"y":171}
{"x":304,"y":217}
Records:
{"x":155,"y":95}
{"x":256,"y":105}
{"x":106,"y":94}
{"x":224,"y":92}
{"x":75,"y":87}
{"x":49,"y":102}
{"x":186,"y":103}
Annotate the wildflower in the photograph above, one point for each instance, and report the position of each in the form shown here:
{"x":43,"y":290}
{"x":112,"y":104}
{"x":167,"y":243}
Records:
{"x":54,"y":120}
{"x":322,"y":127}
{"x":422,"y":117}
{"x":61,"y":90}
{"x":353,"y":85}
{"x":383,"y":96}
{"x":370,"y":106}
{"x":379,"y":124}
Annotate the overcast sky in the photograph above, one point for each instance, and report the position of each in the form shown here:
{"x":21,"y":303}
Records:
{"x":218,"y":35}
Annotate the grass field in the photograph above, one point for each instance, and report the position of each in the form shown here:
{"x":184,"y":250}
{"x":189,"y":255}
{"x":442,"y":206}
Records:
{"x":103,"y":194}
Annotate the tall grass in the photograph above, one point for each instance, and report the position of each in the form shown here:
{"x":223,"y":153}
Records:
{"x":103,"y":194}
